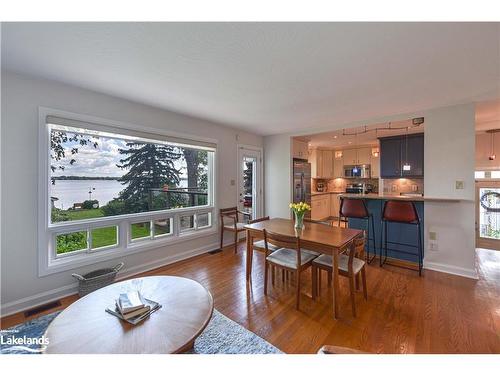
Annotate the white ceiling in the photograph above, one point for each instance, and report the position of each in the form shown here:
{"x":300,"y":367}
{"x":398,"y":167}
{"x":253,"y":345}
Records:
{"x":267,"y":77}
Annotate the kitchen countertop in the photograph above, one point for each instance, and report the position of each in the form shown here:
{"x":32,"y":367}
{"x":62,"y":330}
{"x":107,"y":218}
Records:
{"x":326,"y":192}
{"x":401,"y":197}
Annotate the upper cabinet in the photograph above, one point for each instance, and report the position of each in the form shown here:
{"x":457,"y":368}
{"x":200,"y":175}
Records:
{"x":397,"y":151}
{"x":321,"y":163}
{"x":375,"y":165}
{"x":327,"y":164}
{"x":338,"y":166}
{"x":355,"y":156}
{"x":300,"y":149}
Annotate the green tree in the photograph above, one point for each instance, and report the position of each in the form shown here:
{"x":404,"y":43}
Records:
{"x":58,"y":152}
{"x":150,"y":166}
{"x":248,"y":177}
{"x":197,"y":176}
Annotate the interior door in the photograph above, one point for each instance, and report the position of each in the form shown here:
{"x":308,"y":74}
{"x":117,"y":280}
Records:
{"x":250,"y":181}
{"x":488,"y":214}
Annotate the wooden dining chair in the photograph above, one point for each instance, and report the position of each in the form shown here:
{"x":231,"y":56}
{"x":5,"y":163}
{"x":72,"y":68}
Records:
{"x":229,"y":221}
{"x":349,"y":266}
{"x":289,"y":257}
{"x":260,"y":245}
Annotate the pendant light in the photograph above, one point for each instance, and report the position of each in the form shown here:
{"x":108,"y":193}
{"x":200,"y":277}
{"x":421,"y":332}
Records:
{"x":492,"y":146}
{"x":355,"y":170}
{"x":406,"y":166}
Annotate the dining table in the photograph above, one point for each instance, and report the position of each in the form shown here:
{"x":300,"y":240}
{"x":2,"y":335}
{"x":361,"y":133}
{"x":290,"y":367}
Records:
{"x":324,"y":239}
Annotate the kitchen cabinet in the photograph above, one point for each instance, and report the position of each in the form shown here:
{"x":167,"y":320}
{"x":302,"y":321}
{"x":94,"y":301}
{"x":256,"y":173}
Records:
{"x":415,"y":156}
{"x":320,"y":206}
{"x":393,"y":151}
{"x":375,"y":166}
{"x":334,"y":205}
{"x":338,"y":167}
{"x":316,"y":160}
{"x":300,"y":149}
{"x":327,"y":164}
{"x":321,"y":163}
{"x":349,"y":156}
{"x":358,"y":156}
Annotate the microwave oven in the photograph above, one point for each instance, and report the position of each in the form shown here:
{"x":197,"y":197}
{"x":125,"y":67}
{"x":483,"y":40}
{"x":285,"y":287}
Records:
{"x":357,"y":171}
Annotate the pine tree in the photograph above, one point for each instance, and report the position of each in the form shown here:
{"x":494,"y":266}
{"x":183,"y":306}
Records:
{"x":196,"y":164}
{"x":248,"y":177}
{"x":150,"y":166}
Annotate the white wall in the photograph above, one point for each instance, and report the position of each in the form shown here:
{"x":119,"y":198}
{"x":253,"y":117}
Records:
{"x":449,"y":156}
{"x":21,"y":97}
{"x":277,"y":172}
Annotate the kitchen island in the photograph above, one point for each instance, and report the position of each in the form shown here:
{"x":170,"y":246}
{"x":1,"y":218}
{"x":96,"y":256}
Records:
{"x":396,"y":232}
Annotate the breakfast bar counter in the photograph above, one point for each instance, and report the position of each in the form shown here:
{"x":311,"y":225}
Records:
{"x":411,"y":198}
{"x":396,"y":232}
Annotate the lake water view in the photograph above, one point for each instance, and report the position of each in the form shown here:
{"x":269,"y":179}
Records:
{"x":77,"y":191}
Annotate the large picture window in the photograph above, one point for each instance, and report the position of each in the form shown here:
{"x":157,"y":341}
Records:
{"x":111,"y":189}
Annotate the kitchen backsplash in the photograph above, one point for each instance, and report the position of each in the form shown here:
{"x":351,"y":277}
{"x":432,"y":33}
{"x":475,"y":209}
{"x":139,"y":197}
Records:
{"x":339,"y":184}
{"x":403,"y":185}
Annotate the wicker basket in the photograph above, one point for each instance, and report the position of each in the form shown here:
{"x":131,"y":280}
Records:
{"x":96,"y":279}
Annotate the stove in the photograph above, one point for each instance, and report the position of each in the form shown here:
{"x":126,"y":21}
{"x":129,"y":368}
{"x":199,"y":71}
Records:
{"x":359,"y":188}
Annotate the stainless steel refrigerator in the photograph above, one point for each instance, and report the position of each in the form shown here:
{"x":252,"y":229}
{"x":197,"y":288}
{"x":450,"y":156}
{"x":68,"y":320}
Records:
{"x":302,"y":182}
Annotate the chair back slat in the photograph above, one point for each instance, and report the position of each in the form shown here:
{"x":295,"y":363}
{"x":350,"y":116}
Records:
{"x":322,"y":222}
{"x":281,"y":240}
{"x":258,"y":220}
{"x":357,"y":246}
{"x":229,"y":213}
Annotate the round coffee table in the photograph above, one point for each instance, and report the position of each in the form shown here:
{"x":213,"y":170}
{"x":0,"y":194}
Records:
{"x":84,"y":326}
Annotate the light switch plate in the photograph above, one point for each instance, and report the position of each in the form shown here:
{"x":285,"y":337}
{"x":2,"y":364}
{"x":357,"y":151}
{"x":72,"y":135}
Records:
{"x":233,"y":182}
{"x":459,"y":184}
{"x":432,"y":236}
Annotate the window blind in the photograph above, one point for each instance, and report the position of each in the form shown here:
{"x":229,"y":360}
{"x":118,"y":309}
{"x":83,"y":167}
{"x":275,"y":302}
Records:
{"x":114,"y":132}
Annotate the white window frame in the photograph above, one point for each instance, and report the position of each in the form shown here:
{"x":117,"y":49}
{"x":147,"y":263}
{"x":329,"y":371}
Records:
{"x":49,"y":262}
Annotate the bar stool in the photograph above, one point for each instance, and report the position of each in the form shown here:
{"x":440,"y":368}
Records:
{"x":404,"y":213}
{"x":356,"y":209}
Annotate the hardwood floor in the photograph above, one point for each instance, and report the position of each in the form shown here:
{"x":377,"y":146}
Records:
{"x":405,"y":313}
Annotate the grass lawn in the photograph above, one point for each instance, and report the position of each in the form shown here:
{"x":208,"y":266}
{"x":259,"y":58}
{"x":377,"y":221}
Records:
{"x":101,"y":237}
{"x":84,"y":214}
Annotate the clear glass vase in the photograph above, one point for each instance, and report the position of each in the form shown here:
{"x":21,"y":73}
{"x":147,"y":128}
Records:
{"x":299,"y":220}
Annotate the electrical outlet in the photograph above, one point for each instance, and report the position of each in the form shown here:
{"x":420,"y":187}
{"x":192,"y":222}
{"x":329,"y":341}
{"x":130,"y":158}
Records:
{"x":394,"y":187}
{"x":459,"y":185}
{"x":233,"y":182}
{"x":432,"y":236}
{"x":433,"y":246}
{"x":414,"y":187}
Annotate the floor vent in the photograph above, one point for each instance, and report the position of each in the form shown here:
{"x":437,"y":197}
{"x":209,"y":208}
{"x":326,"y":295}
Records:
{"x":215,"y":251}
{"x":42,"y":308}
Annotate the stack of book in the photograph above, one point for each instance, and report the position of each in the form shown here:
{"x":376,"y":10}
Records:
{"x":133,"y":307}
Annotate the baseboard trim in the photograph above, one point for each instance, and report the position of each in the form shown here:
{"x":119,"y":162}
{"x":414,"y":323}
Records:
{"x":26,"y":303}
{"x":454,"y":270}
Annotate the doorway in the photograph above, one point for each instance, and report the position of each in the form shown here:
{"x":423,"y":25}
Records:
{"x":250,"y":180}
{"x":488,"y":214}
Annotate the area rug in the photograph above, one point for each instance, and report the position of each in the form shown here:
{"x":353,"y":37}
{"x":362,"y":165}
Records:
{"x":222,"y":336}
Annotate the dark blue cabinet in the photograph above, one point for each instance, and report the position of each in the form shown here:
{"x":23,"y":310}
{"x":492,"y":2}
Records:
{"x":397,"y":151}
